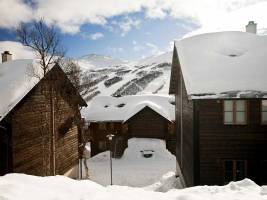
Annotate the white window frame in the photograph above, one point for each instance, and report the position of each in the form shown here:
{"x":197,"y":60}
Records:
{"x":234,"y":112}
{"x":263,"y":122}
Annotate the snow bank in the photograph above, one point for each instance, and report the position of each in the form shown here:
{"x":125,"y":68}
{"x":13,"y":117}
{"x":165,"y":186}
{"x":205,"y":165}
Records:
{"x":167,"y":182}
{"x":224,"y":61}
{"x":25,"y":187}
{"x":107,"y":108}
{"x":133,"y":169}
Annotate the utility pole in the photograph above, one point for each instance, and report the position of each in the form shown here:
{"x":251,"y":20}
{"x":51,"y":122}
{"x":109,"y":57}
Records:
{"x":110,"y":136}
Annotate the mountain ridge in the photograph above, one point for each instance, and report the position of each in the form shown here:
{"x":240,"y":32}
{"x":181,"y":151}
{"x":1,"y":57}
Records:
{"x":104,"y":75}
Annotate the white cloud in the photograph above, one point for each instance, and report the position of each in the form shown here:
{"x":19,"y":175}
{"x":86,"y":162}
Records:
{"x":125,"y":25}
{"x":210,"y":15}
{"x":115,"y":49}
{"x":235,"y":20}
{"x":136,"y":46}
{"x":73,"y":14}
{"x":96,"y":36}
{"x":13,"y":12}
{"x":154,"y":49}
{"x":93,"y":36}
{"x":17,"y":50}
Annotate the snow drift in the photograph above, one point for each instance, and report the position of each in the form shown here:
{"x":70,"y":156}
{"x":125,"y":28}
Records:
{"x":25,"y":187}
{"x":133,"y":168}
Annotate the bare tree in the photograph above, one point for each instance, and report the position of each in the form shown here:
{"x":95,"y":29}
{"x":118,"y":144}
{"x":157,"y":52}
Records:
{"x":74,"y":72}
{"x":44,"y":41}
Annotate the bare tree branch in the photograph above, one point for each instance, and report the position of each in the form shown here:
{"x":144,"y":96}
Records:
{"x":44,"y":41}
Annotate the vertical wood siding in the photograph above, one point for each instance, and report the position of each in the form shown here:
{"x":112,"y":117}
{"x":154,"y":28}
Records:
{"x":218,"y":142}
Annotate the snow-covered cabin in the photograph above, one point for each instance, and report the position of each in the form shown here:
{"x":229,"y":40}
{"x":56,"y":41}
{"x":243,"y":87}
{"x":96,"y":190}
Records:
{"x":39,"y":130}
{"x":143,"y":116}
{"x":220,"y":83}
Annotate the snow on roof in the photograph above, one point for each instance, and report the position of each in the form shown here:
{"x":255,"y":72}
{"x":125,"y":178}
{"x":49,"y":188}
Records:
{"x":215,"y":63}
{"x":107,"y":108}
{"x":15,"y":83}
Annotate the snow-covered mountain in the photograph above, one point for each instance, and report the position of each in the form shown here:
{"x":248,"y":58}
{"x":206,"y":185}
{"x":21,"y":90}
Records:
{"x":104,"y":75}
{"x":94,"y":61}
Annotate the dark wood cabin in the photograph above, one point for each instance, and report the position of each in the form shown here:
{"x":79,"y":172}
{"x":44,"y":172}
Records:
{"x":146,"y":123}
{"x":220,"y":138}
{"x":40,"y":135}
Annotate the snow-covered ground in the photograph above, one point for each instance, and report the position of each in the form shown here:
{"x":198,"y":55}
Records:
{"x":25,"y":187}
{"x":133,"y":169}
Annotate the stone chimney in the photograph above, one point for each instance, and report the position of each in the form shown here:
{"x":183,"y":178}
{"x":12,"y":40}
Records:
{"x":6,"y":56}
{"x":251,"y":27}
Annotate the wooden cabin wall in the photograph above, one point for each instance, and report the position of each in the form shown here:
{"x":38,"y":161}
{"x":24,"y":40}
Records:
{"x":185,"y":132}
{"x":30,"y":135}
{"x":32,"y":131}
{"x":231,"y":142}
{"x":6,"y":162}
{"x":187,"y":148}
{"x":67,"y":135}
{"x":148,"y":124}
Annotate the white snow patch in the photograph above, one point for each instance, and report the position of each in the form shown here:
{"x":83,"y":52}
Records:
{"x":223,"y":61}
{"x":94,"y":61}
{"x":133,"y":169}
{"x":25,"y":187}
{"x":15,"y":82}
{"x":167,"y":182}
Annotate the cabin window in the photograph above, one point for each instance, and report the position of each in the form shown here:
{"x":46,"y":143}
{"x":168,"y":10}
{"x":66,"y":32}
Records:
{"x":102,"y":126}
{"x":264,"y":111}
{"x":235,"y":112}
{"x":234,"y":170}
{"x":102,"y":145}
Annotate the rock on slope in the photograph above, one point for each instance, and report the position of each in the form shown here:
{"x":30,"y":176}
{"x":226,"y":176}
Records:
{"x":104,"y":75}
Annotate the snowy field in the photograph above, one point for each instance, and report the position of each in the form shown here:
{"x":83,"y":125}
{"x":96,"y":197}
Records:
{"x":133,"y":169}
{"x":25,"y":187}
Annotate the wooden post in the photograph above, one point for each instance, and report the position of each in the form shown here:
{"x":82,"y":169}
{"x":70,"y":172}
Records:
{"x":53,"y":145}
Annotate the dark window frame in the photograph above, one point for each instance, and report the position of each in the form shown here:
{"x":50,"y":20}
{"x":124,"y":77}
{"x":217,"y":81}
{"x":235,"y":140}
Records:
{"x":234,"y":171}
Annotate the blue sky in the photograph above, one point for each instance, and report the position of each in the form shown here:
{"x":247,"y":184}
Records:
{"x":127,"y":29}
{"x":150,"y":36}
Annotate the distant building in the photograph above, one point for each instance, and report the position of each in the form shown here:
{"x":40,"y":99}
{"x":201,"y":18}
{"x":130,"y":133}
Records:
{"x":141,"y":116}
{"x":219,"y":80}
{"x":39,"y":120}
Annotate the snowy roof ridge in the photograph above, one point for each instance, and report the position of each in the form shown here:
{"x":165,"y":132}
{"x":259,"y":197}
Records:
{"x":140,"y":106}
{"x":108,"y":108}
{"x":214,"y":63}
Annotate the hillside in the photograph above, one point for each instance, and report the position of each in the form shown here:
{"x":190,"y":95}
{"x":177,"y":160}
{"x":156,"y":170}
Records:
{"x":105,"y":75}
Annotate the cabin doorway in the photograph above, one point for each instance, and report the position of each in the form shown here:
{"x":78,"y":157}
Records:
{"x":234,"y":170}
{"x":263,"y":172}
{"x":4,"y":151}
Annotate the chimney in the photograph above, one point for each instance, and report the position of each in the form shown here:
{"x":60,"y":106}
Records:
{"x":251,"y":27}
{"x":6,"y":56}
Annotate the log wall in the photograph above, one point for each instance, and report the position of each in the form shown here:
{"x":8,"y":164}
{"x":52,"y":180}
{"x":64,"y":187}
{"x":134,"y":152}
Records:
{"x":33,"y":129}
